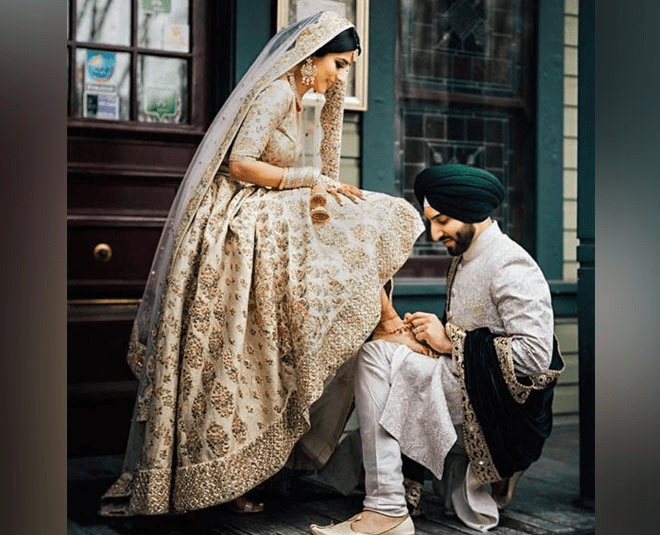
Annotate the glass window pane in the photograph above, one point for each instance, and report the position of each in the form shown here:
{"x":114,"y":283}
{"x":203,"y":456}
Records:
{"x":456,"y":59}
{"x":162,"y":89}
{"x":102,"y":85}
{"x":104,"y":21}
{"x":163,"y":25}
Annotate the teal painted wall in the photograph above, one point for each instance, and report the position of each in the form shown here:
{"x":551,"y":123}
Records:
{"x":549,"y":138}
{"x":378,"y":158}
{"x":254,"y":28}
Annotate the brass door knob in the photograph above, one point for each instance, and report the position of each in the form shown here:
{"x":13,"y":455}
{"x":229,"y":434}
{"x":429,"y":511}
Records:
{"x":103,"y":252}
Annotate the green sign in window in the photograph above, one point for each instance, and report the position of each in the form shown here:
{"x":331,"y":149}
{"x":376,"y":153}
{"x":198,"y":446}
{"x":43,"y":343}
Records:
{"x":157,"y":6}
{"x":162,"y":102}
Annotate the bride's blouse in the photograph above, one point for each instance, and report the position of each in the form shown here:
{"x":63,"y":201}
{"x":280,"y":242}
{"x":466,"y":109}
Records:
{"x":270,"y":132}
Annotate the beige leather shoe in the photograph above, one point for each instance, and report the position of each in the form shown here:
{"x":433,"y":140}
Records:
{"x":405,"y":527}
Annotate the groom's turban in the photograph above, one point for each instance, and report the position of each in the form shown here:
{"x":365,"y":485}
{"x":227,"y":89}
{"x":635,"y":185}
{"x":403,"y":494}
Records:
{"x":466,"y":193}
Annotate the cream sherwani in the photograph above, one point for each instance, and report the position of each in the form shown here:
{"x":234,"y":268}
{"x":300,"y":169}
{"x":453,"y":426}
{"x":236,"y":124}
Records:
{"x":412,"y":404}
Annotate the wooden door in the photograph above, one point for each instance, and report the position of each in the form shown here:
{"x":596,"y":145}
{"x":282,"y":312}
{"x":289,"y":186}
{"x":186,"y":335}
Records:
{"x":145,"y":78}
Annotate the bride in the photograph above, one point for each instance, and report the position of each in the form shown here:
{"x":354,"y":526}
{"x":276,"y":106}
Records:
{"x":267,"y":279}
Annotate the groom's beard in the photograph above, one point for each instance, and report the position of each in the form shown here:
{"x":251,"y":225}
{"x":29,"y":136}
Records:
{"x":462,"y":240}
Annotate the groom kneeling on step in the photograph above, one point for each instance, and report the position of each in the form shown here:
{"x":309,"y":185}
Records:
{"x":480,"y":398}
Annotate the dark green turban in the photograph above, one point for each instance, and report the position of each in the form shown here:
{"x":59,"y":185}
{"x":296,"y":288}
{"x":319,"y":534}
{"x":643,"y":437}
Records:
{"x":466,"y":193}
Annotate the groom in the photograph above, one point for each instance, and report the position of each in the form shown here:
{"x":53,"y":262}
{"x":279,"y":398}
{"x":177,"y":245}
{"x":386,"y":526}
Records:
{"x":483,"y":404}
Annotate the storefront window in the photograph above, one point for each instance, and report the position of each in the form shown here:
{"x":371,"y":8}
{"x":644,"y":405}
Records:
{"x":132,"y":60}
{"x":164,"y":25}
{"x":102,"y":84}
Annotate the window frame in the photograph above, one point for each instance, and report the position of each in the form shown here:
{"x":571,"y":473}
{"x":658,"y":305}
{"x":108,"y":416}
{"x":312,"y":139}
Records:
{"x":197,"y":78}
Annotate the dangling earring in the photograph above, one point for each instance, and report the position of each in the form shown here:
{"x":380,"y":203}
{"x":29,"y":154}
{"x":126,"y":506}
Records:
{"x":308,"y":72}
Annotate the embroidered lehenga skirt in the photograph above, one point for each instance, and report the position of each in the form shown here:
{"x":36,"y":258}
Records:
{"x":262,"y":309}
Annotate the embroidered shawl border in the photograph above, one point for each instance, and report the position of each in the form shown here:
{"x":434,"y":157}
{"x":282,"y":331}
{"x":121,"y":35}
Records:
{"x":474,"y":439}
{"x":519,"y":391}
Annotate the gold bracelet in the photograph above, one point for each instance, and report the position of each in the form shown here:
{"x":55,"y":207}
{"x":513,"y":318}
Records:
{"x":283,"y":179}
{"x":299,"y":177}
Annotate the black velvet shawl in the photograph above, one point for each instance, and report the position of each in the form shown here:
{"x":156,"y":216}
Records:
{"x":515,"y":432}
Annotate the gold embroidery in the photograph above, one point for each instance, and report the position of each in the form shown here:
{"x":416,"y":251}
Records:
{"x":222,"y":399}
{"x":259,"y":308}
{"x":150,"y":492}
{"x":519,"y":391}
{"x":476,"y":446}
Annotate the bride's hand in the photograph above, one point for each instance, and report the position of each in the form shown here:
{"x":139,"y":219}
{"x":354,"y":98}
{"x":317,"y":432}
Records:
{"x":347,"y":190}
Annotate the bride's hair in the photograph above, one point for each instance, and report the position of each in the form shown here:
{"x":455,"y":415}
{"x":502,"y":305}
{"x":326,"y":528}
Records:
{"x":343,"y":42}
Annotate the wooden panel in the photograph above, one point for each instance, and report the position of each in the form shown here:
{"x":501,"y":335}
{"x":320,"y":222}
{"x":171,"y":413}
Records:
{"x":134,"y":157}
{"x":98,"y":428}
{"x":96,"y":351}
{"x":101,"y":387}
{"x":570,"y":373}
{"x":120,"y":196}
{"x":566,"y":399}
{"x":565,"y":419}
{"x":567,"y":334}
{"x":124,"y":275}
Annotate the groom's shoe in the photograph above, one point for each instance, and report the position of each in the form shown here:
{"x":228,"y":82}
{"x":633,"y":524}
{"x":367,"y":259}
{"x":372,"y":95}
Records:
{"x":405,"y":527}
{"x":504,"y":490}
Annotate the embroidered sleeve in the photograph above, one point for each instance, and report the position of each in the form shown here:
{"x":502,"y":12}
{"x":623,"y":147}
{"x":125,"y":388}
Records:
{"x":522,"y":297}
{"x":265,"y":115}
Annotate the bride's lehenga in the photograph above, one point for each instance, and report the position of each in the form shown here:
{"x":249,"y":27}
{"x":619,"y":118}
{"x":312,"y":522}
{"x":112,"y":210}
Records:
{"x":260,"y":309}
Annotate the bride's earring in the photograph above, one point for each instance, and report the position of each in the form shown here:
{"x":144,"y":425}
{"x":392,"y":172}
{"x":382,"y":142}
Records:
{"x":308,"y":72}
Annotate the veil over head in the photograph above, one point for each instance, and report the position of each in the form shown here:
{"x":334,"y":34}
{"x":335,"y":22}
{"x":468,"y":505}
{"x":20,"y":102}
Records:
{"x":286,"y":49}
{"x":245,"y":338}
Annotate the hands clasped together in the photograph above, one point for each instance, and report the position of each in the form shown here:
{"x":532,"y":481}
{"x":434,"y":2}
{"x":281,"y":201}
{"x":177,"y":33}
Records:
{"x":428,"y":329}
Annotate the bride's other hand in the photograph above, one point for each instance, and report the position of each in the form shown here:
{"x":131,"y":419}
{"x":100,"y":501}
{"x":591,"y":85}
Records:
{"x":347,"y":190}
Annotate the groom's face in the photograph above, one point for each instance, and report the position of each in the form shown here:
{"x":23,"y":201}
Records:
{"x":455,"y":235}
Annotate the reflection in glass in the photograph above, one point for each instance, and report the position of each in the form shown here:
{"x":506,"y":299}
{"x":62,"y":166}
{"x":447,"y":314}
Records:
{"x":102,"y":85}
{"x":162,"y":89}
{"x":163,"y":25}
{"x":104,"y":21}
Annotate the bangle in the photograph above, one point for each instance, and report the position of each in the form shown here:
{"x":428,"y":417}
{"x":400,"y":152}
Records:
{"x":283,"y":179}
{"x":299,"y":177}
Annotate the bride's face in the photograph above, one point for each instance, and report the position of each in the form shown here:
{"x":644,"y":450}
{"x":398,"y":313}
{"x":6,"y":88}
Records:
{"x":330,"y":68}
